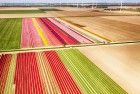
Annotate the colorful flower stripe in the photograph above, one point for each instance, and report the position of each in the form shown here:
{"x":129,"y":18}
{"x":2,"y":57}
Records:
{"x":4,"y":69}
{"x":63,"y":78}
{"x":72,"y":33}
{"x":10,"y":86}
{"x":63,"y":37}
{"x":30,"y":37}
{"x":40,"y":32}
{"x":47,"y":77}
{"x":25,"y":34}
{"x":27,"y":78}
{"x":51,"y":37}
{"x":37,"y":42}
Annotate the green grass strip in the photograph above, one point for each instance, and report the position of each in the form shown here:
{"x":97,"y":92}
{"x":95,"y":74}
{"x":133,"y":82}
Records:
{"x":89,"y":77}
{"x":20,"y":11}
{"x":3,"y":25}
{"x":15,"y":38}
{"x":10,"y":33}
{"x":7,"y":31}
{"x":10,"y":87}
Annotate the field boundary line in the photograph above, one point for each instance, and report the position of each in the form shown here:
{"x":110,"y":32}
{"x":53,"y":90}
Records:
{"x":40,"y":49}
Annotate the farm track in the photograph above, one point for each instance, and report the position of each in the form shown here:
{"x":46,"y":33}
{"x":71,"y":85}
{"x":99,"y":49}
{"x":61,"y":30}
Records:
{"x":65,"y":47}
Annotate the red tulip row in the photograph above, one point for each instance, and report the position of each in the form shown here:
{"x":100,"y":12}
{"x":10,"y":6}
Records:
{"x":62,"y":76}
{"x":27,"y":79}
{"x":52,"y":39}
{"x":50,"y":85}
{"x":63,"y":37}
{"x":4,"y":68}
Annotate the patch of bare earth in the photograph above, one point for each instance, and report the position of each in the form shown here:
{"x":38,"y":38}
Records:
{"x":120,"y":62}
{"x":112,"y":29}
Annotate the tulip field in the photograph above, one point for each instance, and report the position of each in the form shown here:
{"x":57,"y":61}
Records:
{"x":53,"y":72}
{"x":38,"y":32}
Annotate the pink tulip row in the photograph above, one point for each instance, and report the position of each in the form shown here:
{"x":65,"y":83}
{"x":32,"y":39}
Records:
{"x":29,"y":36}
{"x":72,"y":33}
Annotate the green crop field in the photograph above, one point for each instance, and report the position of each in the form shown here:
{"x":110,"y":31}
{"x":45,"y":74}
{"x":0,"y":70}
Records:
{"x":91,"y":79}
{"x":10,"y":33}
{"x":20,"y":11}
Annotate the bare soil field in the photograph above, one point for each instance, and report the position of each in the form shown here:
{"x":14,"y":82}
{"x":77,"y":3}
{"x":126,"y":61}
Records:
{"x":128,"y":19}
{"x":110,"y":27}
{"x":82,"y":13}
{"x":120,"y":62}
{"x":86,"y":12}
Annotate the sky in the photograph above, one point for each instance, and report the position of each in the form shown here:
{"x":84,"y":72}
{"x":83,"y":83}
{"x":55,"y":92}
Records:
{"x":65,"y":1}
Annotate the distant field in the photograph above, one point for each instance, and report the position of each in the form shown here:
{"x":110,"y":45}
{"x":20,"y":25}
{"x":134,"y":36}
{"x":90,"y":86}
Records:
{"x":51,"y":9}
{"x":20,"y":11}
{"x":126,"y":9}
